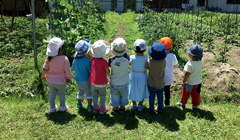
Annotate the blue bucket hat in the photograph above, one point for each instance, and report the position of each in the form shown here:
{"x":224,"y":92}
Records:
{"x":82,"y":48}
{"x":196,"y":50}
{"x":157,"y":51}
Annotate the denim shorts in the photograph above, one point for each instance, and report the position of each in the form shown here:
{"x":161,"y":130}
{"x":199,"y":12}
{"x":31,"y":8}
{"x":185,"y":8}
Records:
{"x":84,"y":87}
{"x":118,"y":95}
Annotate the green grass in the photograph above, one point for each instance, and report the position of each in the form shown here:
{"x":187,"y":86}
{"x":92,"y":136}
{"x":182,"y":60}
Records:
{"x":27,"y":118}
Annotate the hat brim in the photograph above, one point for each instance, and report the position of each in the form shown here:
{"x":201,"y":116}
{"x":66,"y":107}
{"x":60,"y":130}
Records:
{"x":159,"y":57}
{"x":54,"y":53}
{"x":100,"y":55}
{"x":200,"y":58}
{"x":118,"y":54}
{"x":81,"y":54}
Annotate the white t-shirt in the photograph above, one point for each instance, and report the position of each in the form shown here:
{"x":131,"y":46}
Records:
{"x":119,"y":69}
{"x":195,"y":68}
{"x":171,"y":60}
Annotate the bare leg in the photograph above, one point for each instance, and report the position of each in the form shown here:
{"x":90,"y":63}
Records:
{"x":141,"y":103}
{"x":134,"y":103}
{"x":79,"y":101}
{"x":89,"y":103}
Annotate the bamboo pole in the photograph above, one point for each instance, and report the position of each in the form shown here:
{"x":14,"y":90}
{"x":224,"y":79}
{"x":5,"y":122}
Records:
{"x":34,"y":33}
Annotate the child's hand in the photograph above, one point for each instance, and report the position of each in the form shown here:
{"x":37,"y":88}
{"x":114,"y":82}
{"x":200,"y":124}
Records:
{"x":68,"y":81}
{"x":183,"y":84}
{"x":43,"y":77}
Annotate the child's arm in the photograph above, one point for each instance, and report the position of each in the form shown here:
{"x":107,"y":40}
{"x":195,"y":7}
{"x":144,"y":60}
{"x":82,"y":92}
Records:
{"x":68,"y":72}
{"x":107,"y":70}
{"x":185,"y":78}
{"x":44,"y":74}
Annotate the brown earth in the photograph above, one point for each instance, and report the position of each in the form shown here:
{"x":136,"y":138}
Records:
{"x":216,"y":75}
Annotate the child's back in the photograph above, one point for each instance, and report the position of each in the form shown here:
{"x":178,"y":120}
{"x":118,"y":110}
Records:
{"x":138,"y":77}
{"x":119,"y":69}
{"x":119,"y":75}
{"x":156,"y":66}
{"x":138,"y":63}
{"x":81,"y":66}
{"x":58,"y":70}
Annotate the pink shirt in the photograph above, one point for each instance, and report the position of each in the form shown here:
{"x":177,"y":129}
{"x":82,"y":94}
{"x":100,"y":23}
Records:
{"x":98,"y":74}
{"x":58,"y":70}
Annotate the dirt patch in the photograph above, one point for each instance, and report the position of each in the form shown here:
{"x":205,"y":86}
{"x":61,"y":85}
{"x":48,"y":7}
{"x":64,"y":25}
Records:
{"x":234,"y":56}
{"x":217,"y":76}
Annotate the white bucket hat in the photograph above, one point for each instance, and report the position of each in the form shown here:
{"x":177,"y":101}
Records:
{"x":118,"y":47}
{"x":53,"y":46}
{"x":140,"y":43}
{"x":100,"y":48}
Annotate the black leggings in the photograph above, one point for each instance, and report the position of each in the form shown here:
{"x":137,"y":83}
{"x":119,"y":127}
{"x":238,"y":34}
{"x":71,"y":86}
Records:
{"x":167,"y":94}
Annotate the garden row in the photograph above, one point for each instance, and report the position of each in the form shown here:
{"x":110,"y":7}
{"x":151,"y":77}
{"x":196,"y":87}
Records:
{"x":200,"y":26}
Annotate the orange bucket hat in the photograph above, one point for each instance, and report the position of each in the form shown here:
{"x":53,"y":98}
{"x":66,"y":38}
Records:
{"x":167,"y":42}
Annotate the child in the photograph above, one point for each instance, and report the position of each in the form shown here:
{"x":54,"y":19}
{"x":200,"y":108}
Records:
{"x":191,"y":84}
{"x":98,"y":76}
{"x":138,"y":78}
{"x":171,"y":62}
{"x":58,"y":72}
{"x":81,"y":65}
{"x":119,"y":75}
{"x":156,"y":66}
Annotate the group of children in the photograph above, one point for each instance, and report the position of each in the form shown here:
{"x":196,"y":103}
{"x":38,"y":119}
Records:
{"x":91,"y":75}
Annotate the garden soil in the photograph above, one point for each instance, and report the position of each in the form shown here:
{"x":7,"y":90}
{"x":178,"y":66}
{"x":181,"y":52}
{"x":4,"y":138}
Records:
{"x":216,"y":75}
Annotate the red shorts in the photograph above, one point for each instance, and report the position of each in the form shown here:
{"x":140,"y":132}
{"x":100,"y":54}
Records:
{"x":194,"y":92}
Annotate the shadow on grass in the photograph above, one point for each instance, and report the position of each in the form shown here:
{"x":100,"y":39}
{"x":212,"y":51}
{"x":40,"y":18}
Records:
{"x":167,"y":118}
{"x":128,"y":118}
{"x":60,"y":117}
{"x":202,"y":114}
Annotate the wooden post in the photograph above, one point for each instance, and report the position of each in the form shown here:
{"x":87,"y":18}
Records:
{"x":34,"y":34}
{"x":15,"y":6}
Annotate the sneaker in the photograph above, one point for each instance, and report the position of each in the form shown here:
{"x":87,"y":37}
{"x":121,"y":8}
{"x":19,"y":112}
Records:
{"x":168,"y":106}
{"x":89,"y":109}
{"x":195,"y":107}
{"x":95,"y":110}
{"x":122,"y":110}
{"x":102,"y":111}
{"x":140,"y":107}
{"x":53,"y":110}
{"x":78,"y":106}
{"x":133,"y":107}
{"x":181,"y":105}
{"x":62,"y":109}
{"x":115,"y":111}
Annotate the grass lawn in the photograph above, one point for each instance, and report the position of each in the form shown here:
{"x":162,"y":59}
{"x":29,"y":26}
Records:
{"x":25,"y":118}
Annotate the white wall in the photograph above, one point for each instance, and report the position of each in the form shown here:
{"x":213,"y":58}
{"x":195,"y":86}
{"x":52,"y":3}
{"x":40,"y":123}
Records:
{"x":106,"y":5}
{"x":219,"y":3}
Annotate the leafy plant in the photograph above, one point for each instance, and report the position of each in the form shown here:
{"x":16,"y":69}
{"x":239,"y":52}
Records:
{"x":223,"y":50}
{"x":74,"y":23}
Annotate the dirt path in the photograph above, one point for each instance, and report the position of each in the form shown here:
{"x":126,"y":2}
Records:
{"x":121,"y":31}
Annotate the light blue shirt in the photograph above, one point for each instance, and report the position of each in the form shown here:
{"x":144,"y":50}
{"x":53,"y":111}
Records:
{"x":81,"y":66}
